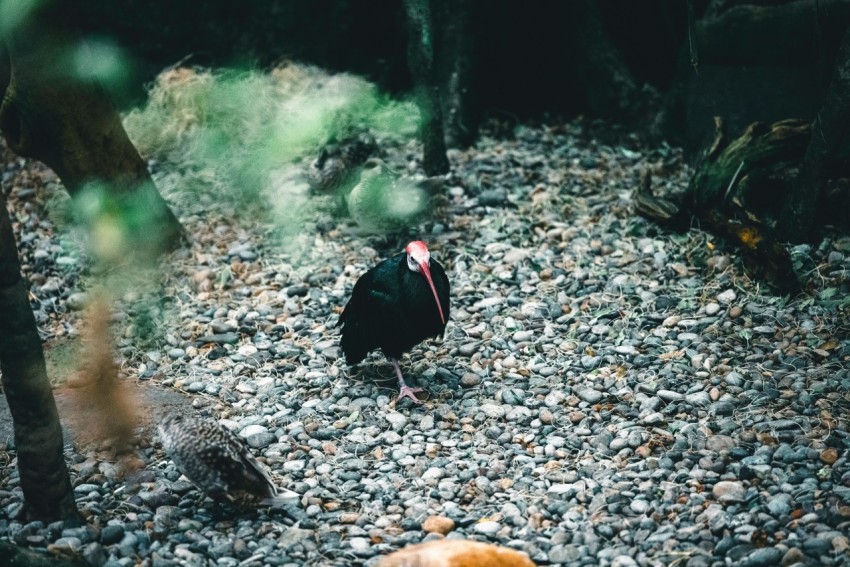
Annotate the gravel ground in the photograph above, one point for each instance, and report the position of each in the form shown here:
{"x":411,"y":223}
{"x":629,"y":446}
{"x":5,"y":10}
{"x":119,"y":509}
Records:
{"x":607,"y":393}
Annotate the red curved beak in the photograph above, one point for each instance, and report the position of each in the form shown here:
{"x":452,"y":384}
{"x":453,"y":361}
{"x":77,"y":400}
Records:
{"x":425,"y":270}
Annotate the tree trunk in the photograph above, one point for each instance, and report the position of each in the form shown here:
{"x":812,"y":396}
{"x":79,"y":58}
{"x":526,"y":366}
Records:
{"x":455,"y":67}
{"x":748,"y":52}
{"x":5,"y":70}
{"x":68,"y":122}
{"x":829,"y":130}
{"x":38,"y":435}
{"x":608,"y":84}
{"x":787,"y":34}
{"x":421,"y":58}
{"x":736,"y":193}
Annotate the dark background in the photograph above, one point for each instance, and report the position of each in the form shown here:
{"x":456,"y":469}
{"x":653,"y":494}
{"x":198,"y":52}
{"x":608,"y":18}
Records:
{"x":525,"y":61}
{"x":522,"y":55}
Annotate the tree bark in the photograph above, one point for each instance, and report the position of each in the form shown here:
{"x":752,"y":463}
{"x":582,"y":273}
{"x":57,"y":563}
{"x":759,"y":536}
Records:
{"x":736,"y":193}
{"x":421,"y":58}
{"x":455,"y":67}
{"x":38,"y":434}
{"x":608,"y":84}
{"x":53,"y":115}
{"x":5,"y":70}
{"x":787,"y":34}
{"x":829,"y":130}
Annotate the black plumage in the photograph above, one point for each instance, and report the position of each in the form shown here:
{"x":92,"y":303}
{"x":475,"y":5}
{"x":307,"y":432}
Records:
{"x":393,"y":308}
{"x":218,"y":461}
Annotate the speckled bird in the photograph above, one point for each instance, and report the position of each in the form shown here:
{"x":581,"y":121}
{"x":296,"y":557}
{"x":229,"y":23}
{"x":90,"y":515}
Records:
{"x":395,"y":306}
{"x":337,"y":165}
{"x":218,"y":462}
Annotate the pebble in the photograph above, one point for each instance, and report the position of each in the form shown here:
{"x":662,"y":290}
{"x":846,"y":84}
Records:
{"x":590,"y":395}
{"x":712,"y":309}
{"x":438,"y":524}
{"x":488,"y":528}
{"x":492,"y":411}
{"x":728,"y":492}
{"x":433,"y":473}
{"x":597,"y":399}
{"x":176,"y":353}
{"x":111,"y":534}
{"x":522,"y":336}
{"x":727,"y":296}
{"x":764,"y":557}
{"x":564,"y":554}
{"x":780,"y":505}
{"x":669,"y":395}
{"x":554,"y":398}
{"x":468,"y":349}
{"x":639,"y":506}
{"x":77,"y":301}
{"x":470,"y":380}
{"x":253,"y":430}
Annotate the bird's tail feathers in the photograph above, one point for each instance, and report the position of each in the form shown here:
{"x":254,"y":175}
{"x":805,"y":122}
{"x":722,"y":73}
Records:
{"x":353,"y":346}
{"x":282,"y":498}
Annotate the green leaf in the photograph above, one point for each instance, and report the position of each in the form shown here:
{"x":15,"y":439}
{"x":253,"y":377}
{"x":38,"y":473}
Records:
{"x":828,"y":293}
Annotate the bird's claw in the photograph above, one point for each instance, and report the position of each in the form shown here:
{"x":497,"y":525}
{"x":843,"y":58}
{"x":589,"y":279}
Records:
{"x":409,"y":392}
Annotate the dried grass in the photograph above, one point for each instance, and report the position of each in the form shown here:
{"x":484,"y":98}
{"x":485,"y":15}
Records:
{"x":106,"y":413}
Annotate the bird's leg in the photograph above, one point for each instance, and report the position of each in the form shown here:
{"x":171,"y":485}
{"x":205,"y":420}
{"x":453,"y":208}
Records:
{"x":405,"y":391}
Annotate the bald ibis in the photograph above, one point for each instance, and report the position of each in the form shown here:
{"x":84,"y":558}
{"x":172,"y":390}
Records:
{"x":395,"y":306}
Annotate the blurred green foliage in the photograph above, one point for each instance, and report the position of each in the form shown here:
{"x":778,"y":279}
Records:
{"x":387,"y":201}
{"x":14,"y":12}
{"x":243,"y":125}
{"x":99,"y":60}
{"x":246,"y":137}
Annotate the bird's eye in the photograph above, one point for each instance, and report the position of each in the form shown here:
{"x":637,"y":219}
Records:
{"x":412,"y":264}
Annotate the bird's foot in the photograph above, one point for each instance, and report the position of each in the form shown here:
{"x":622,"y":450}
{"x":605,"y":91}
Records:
{"x":409,"y":392}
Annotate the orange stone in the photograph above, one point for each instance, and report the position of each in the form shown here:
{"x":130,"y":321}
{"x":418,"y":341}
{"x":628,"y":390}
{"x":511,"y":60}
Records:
{"x":456,"y":553}
{"x":829,"y":456}
{"x":438,"y":524}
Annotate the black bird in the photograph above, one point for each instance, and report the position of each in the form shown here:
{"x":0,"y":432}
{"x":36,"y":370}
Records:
{"x":395,"y":306}
{"x":218,"y":462}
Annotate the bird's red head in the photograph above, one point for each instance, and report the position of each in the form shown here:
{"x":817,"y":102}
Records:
{"x":419,"y":260}
{"x":418,"y":251}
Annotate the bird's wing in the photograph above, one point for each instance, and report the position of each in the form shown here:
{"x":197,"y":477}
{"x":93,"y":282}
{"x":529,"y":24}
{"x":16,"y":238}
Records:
{"x":371,"y":294}
{"x":374,"y":302}
{"x":242,"y":469}
{"x":365,"y":316}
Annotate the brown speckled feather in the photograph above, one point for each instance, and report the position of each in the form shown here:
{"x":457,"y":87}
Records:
{"x":216,"y":460}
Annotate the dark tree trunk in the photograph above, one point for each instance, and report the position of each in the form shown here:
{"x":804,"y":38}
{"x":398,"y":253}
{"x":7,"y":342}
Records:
{"x":608,"y":84}
{"x":50,"y":113}
{"x":70,"y":124}
{"x":829,"y":130}
{"x":455,"y":64}
{"x":749,"y":173}
{"x":748,"y":52}
{"x":38,"y":435}
{"x":421,"y":58}
{"x":787,"y":34}
{"x":5,"y":70}
{"x":736,"y":193}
